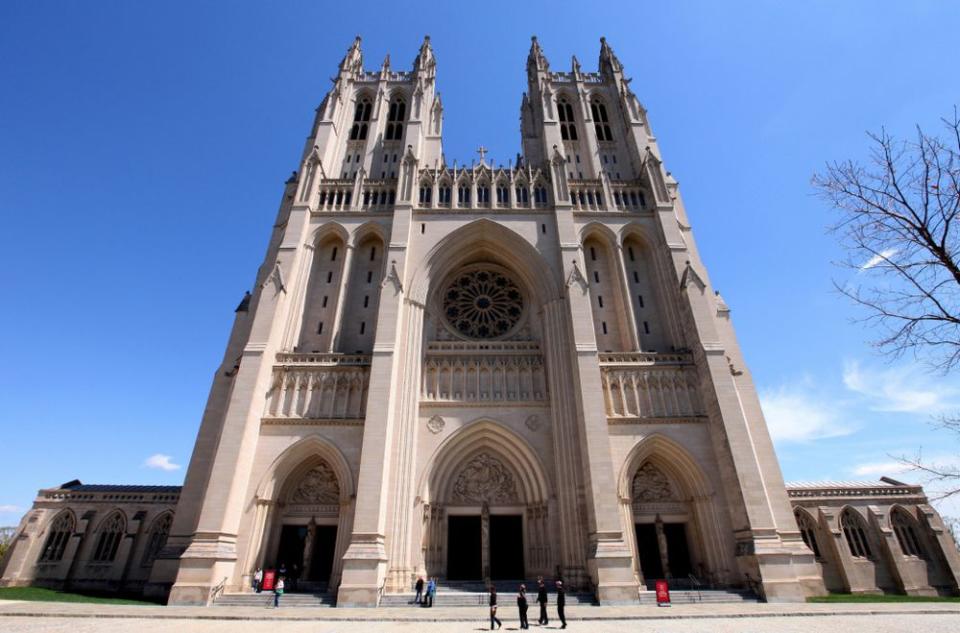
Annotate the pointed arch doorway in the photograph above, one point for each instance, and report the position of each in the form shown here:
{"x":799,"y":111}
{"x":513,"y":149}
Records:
{"x":485,"y":514}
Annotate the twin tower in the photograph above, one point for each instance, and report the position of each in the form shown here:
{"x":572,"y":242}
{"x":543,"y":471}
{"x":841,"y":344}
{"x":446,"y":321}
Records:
{"x":482,"y":372}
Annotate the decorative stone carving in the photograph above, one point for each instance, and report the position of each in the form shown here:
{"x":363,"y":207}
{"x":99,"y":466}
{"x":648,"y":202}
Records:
{"x":318,"y":487}
{"x":482,"y":304}
{"x":534,"y":422}
{"x":436,"y":424}
{"x":393,"y":277}
{"x":576,"y":277}
{"x":485,"y":480}
{"x":650,"y":485}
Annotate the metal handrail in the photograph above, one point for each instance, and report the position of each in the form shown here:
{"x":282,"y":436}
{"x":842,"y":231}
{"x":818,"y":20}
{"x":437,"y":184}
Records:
{"x":216,"y":591}
{"x":696,"y":583}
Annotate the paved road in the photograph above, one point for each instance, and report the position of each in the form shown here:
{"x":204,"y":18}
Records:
{"x":886,"y":623}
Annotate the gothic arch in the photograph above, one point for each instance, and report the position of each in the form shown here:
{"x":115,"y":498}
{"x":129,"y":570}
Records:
{"x":327,"y":230}
{"x":710,"y":555}
{"x":300,"y":457}
{"x":365,"y":231}
{"x":480,"y":436}
{"x":493,"y":241}
{"x":603,"y":233}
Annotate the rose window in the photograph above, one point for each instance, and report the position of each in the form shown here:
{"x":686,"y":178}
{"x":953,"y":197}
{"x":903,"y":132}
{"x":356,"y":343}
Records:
{"x":482,"y":304}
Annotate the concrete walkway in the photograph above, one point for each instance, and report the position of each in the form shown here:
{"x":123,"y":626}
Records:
{"x":24,"y":609}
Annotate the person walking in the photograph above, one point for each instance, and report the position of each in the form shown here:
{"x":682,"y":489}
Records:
{"x":493,"y":608}
{"x":258,"y":580}
{"x":431,"y":592}
{"x":542,"y":600}
{"x":419,"y":587}
{"x":277,"y":592}
{"x":561,"y":603}
{"x":522,"y":607}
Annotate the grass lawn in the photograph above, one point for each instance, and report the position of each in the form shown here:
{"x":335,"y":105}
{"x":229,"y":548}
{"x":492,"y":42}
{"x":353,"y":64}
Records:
{"x":849,"y":597}
{"x":50,"y":595}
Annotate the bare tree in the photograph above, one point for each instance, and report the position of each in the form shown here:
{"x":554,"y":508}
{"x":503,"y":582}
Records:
{"x":897,"y":225}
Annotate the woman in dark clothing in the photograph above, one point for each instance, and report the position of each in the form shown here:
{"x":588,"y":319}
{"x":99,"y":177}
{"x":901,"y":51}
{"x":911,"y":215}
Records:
{"x":561,"y":603}
{"x":493,"y":608}
{"x":522,"y":607}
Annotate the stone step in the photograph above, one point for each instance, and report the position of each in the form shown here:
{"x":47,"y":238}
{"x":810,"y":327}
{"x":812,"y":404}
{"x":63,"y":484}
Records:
{"x":266,"y":599}
{"x":710,"y":596}
{"x":447,"y":597}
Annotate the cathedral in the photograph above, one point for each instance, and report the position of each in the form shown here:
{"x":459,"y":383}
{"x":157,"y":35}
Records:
{"x":483,"y":372}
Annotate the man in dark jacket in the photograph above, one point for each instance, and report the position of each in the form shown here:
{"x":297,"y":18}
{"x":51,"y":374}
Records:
{"x":561,"y":602}
{"x":419,"y":587}
{"x":542,"y":599}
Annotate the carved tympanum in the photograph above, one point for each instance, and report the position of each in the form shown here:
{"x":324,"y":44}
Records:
{"x":651,"y":485}
{"x":318,"y":486}
{"x":485,"y":479}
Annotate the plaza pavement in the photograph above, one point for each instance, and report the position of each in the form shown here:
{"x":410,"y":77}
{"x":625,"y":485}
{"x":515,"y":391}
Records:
{"x":50,"y":617}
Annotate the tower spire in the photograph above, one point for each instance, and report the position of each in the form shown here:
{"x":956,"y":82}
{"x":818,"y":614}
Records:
{"x":536,"y":61}
{"x":353,"y":60}
{"x":609,"y":64}
{"x":425,"y":58}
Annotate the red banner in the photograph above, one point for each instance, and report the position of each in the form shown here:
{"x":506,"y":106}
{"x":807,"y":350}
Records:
{"x":269,"y":578}
{"x":663,"y":594}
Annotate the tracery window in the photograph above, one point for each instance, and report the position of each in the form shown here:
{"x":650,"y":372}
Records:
{"x":425,"y":192}
{"x":853,"y":532}
{"x":568,"y":126}
{"x":903,"y":527}
{"x":483,"y":194}
{"x":503,"y":195}
{"x":395,"y":118}
{"x":111,"y":533}
{"x":540,"y":195}
{"x":522,"y":196}
{"x":60,"y":531}
{"x":808,"y":531}
{"x":361,"y":119}
{"x":463,"y":195}
{"x":482,"y":303}
{"x":157,"y":538}
{"x":443,"y":195}
{"x":600,"y":121}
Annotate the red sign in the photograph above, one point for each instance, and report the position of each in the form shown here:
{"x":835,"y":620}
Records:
{"x":269,"y":578}
{"x":663,"y":594}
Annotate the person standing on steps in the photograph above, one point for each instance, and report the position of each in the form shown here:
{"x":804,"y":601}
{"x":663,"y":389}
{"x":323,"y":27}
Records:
{"x":522,"y":607}
{"x":561,"y":603}
{"x":258,"y":580}
{"x":493,"y":608}
{"x":542,"y":599}
{"x":431,"y":592}
{"x":419,"y":587}
{"x":277,"y":592}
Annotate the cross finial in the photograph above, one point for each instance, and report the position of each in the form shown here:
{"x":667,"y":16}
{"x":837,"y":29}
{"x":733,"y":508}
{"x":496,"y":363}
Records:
{"x":482,"y":151}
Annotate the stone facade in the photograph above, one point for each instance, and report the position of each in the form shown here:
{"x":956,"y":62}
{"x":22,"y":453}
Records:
{"x":485,"y":371}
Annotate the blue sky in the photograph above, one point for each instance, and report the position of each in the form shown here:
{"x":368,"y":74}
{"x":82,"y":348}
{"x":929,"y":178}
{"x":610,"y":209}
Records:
{"x":143,"y":148}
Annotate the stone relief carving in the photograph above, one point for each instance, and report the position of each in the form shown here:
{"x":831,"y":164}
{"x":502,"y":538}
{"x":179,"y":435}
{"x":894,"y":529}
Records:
{"x":651,"y":485}
{"x":576,"y":277}
{"x":485,"y":480}
{"x":534,"y":422}
{"x":319,"y":487}
{"x":436,"y":424}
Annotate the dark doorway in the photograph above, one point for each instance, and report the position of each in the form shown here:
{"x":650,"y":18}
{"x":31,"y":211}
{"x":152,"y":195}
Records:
{"x":649,"y":550}
{"x":290,"y":552}
{"x":324,"y":546}
{"x":506,"y":547}
{"x":463,"y":548}
{"x":678,"y":552}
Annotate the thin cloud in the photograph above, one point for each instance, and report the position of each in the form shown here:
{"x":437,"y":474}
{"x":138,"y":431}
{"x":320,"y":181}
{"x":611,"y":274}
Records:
{"x":795,"y":414}
{"x":161,"y":462}
{"x":882,"y":256}
{"x":905,"y":389}
{"x":879,"y":469}
{"x":9,"y":508}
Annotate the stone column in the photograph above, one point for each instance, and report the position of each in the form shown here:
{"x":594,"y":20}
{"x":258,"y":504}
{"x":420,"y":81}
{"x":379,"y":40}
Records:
{"x":485,"y":541}
{"x":365,"y":561}
{"x":308,"y":544}
{"x":662,"y":548}
{"x":335,"y":334}
{"x":627,"y":299}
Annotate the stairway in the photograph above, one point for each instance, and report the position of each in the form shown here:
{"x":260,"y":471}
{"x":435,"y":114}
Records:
{"x":475,"y":593}
{"x":704,"y":596}
{"x":265,"y":599}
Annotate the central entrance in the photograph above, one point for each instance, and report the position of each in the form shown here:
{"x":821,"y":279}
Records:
{"x":663,"y":550}
{"x":485,"y":546}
